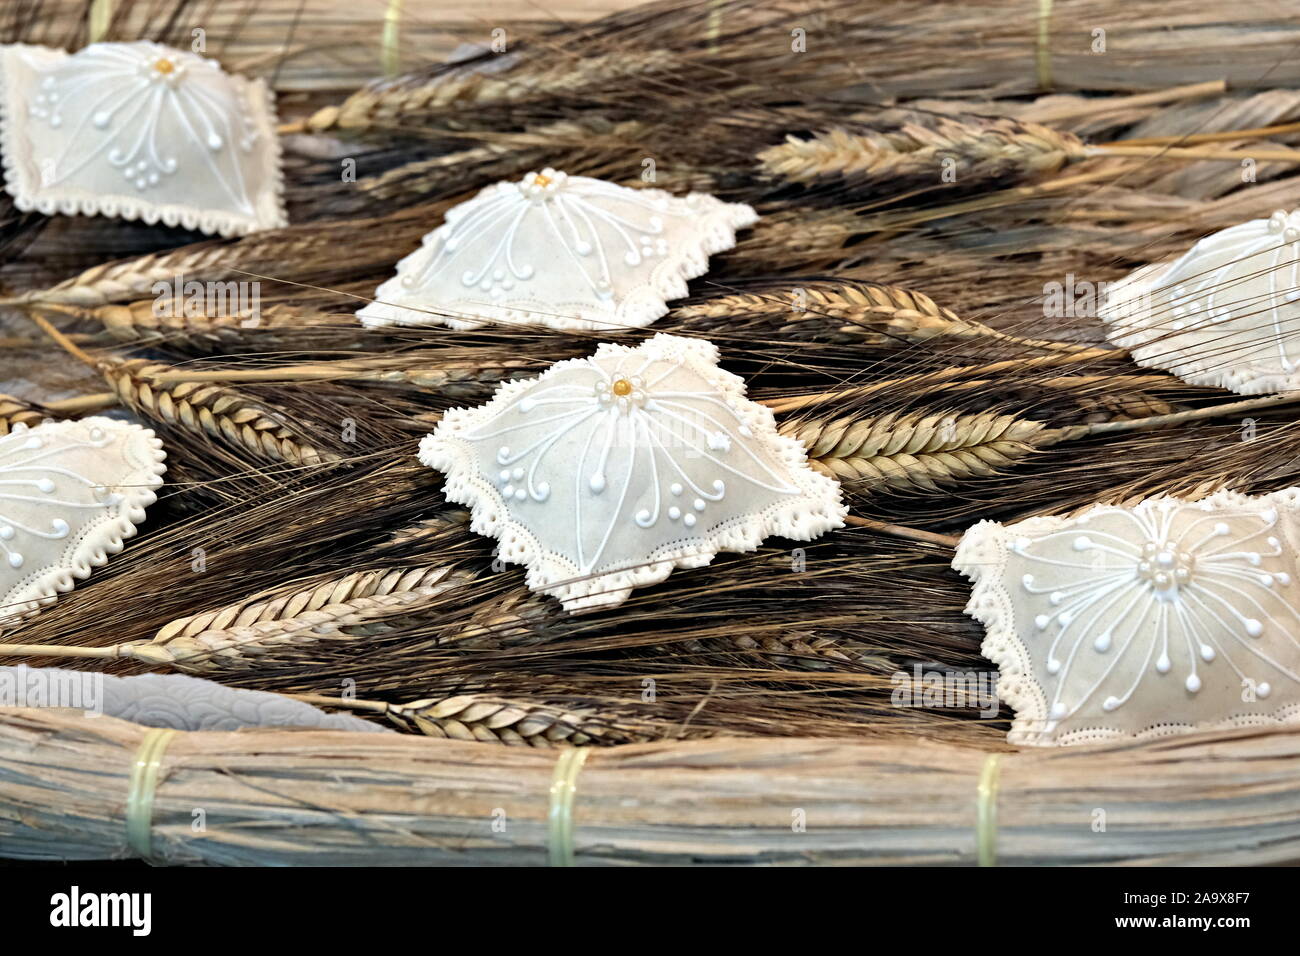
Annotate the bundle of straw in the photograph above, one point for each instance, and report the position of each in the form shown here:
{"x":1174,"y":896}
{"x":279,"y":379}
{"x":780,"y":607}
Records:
{"x":329,"y":797}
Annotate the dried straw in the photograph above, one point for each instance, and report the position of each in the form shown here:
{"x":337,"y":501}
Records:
{"x":335,"y":798}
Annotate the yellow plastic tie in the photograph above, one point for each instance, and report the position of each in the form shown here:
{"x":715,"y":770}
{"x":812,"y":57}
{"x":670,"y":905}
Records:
{"x":1043,"y":56}
{"x":564,"y":784}
{"x":144,"y":780}
{"x":389,"y":54}
{"x":101,"y":14}
{"x":986,"y":812}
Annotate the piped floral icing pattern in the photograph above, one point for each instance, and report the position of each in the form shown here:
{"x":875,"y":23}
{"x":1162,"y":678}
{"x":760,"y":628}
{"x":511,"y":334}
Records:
{"x":568,"y":252}
{"x":1163,"y":617}
{"x":70,"y":493}
{"x":1226,"y":313}
{"x":605,"y":473}
{"x":141,"y":131}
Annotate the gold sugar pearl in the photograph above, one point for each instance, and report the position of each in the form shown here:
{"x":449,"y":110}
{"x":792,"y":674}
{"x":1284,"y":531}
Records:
{"x":542,"y":180}
{"x":164,"y":66}
{"x":622,"y":387}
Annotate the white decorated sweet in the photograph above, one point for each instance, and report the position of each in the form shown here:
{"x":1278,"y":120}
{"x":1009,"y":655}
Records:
{"x":139,"y":131}
{"x":568,"y":252}
{"x":70,"y":493}
{"x":605,"y":473}
{"x":1226,"y":313}
{"x":176,"y":701}
{"x":1164,"y":617}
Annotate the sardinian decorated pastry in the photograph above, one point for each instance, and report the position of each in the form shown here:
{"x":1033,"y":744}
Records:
{"x":605,"y":473}
{"x":176,"y":701}
{"x":1165,"y":617}
{"x":562,"y":251}
{"x":1225,"y":314}
{"x":139,"y":131}
{"x":70,"y":493}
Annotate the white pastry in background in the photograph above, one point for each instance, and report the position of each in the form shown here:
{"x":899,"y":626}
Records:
{"x":562,"y":251}
{"x":1225,"y":314}
{"x":174,"y":701}
{"x":139,"y":131}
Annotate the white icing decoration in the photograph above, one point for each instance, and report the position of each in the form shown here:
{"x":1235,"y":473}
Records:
{"x":1225,"y":314}
{"x":139,"y":131}
{"x":567,"y":252}
{"x":70,"y":493}
{"x":603,"y":445}
{"x":177,"y":701}
{"x":1165,"y":617}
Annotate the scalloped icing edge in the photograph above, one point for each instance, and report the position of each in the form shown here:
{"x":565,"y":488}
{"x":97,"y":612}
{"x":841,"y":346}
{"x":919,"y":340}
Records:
{"x":1150,"y":349}
{"x":992,"y":607}
{"x":271,"y":212}
{"x":642,"y":305}
{"x":608,"y":589}
{"x":106,"y":535}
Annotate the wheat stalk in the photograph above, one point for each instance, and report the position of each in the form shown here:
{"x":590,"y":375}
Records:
{"x":133,"y":278}
{"x":212,"y":410}
{"x":356,"y":605}
{"x":861,"y":311}
{"x":924,"y":449}
{"x":439,"y":524}
{"x":302,"y":254}
{"x":14,"y":411}
{"x":360,"y":604}
{"x":447,"y":376}
{"x":980,"y":148}
{"x":983,"y":146}
{"x":280,"y":606}
{"x":500,"y":156}
{"x":802,"y":240}
{"x":929,"y":380}
{"x":1123,"y":395}
{"x":915,"y":449}
{"x":514,"y":619}
{"x":415,"y":101}
{"x":795,"y":240}
{"x":798,"y":650}
{"x":493,"y":719}
{"x":239,"y":647}
{"x":154,"y":320}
